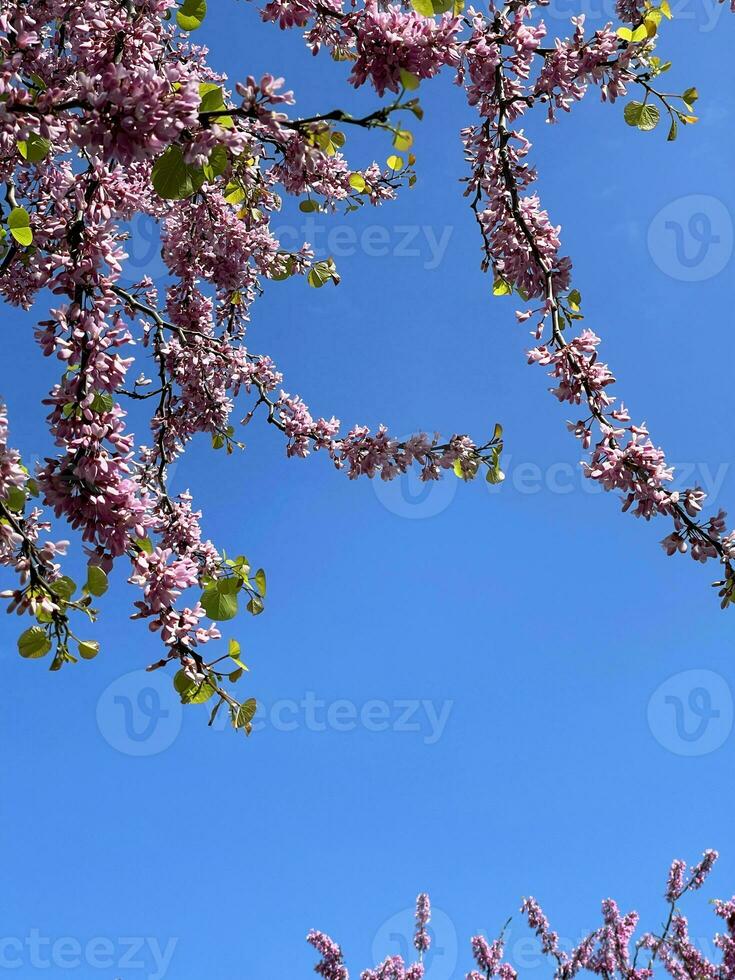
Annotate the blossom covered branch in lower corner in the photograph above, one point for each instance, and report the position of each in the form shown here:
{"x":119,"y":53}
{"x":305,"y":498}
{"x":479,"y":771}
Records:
{"x":610,"y":951}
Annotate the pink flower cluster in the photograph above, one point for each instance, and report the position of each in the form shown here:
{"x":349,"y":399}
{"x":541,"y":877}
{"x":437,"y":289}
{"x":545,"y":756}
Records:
{"x":579,"y":61}
{"x":20,"y":549}
{"x":389,"y":40}
{"x":609,"y":951}
{"x":366,"y":454}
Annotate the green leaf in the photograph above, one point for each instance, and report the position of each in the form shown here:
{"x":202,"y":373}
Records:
{"x":15,"y":499}
{"x":34,"y":643}
{"x":219,"y":599}
{"x":244,"y":714}
{"x":673,"y":130}
{"x":38,"y":81}
{"x":97,"y":583}
{"x":35,"y":148}
{"x":330,"y":141}
{"x":173,"y":179}
{"x":234,"y":194}
{"x":690,"y":96}
{"x":260,"y":581}
{"x":213,"y":100}
{"x":639,"y":34}
{"x":308,"y":206}
{"x":190,"y":14}
{"x":431,"y":7}
{"x":322,"y":272}
{"x":409,"y":81}
{"x":286,"y":270}
{"x":465,"y":472}
{"x":256,"y":605}
{"x":191,"y":691}
{"x":88,"y":649}
{"x":216,"y":164}
{"x":642,"y":115}
{"x":145,"y":544}
{"x":215,"y":709}
{"x":19,"y":223}
{"x":395,"y":162}
{"x":64,"y":587}
{"x":502,"y":287}
{"x":574,"y":298}
{"x":357,"y":182}
{"x":403,"y":140}
{"x":497,"y":432}
{"x":102,"y":402}
{"x":495,"y":475}
{"x":211,"y":96}
{"x":233,"y":651}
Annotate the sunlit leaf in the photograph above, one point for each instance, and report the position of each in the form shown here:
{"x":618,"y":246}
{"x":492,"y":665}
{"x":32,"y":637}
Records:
{"x":88,"y":649}
{"x":19,"y":223}
{"x":191,"y":14}
{"x":34,"y":643}
{"x":642,"y":115}
{"x":35,"y":148}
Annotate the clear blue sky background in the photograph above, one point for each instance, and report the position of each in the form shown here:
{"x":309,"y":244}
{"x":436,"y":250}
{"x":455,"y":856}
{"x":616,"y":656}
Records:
{"x":545,"y":623}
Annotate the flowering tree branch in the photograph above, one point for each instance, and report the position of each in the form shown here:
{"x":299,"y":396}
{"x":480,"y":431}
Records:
{"x":108,"y":110}
{"x":609,"y":951}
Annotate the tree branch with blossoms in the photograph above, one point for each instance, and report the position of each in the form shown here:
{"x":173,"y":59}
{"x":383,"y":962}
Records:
{"x":497,"y":62}
{"x":609,"y":951}
{"x":109,"y":110}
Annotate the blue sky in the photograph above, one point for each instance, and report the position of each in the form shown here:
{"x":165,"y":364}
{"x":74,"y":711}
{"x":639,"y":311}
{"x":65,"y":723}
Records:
{"x":480,"y":694}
